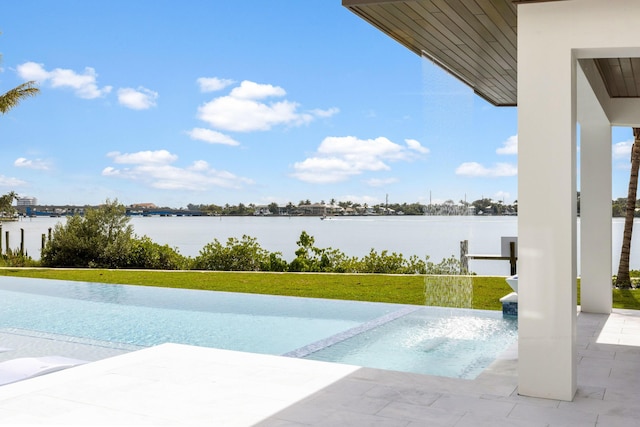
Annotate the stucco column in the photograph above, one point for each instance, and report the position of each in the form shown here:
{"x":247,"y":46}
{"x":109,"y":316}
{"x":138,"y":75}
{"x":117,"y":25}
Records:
{"x":595,"y":202}
{"x":546,"y":210}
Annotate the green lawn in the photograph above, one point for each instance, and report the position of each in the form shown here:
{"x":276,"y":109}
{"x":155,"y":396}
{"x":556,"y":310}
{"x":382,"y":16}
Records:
{"x":400,"y":289}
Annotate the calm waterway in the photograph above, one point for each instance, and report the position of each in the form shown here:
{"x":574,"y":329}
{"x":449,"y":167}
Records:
{"x":436,"y":236}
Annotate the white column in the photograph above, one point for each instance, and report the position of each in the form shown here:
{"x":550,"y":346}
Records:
{"x":551,"y":36}
{"x":595,"y":202}
{"x":546,"y":211}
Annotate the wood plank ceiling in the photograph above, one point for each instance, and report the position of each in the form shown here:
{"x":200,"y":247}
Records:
{"x":476,"y":41}
{"x":621,"y":76}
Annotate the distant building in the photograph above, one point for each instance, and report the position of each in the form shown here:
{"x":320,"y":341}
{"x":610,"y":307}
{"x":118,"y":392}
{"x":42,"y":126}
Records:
{"x":262,"y":210}
{"x":144,"y":206}
{"x":320,"y":209}
{"x":26,"y":201}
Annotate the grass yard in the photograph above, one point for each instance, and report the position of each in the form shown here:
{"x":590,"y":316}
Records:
{"x":399,"y":289}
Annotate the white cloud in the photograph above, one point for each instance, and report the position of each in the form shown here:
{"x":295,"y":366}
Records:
{"x":416,"y":146}
{"x":622,"y":150}
{"x":33,"y":71}
{"x":475,"y":169}
{"x":211,"y":136}
{"x":510,"y":146}
{"x":137,"y":99}
{"x":143,"y":157}
{"x":37,"y":164}
{"x":339,"y":158}
{"x":325,"y":113}
{"x":376,"y":182}
{"x":246,"y":109}
{"x":246,"y":115}
{"x":155,"y":169}
{"x":321,"y":170}
{"x":361,"y":149}
{"x":84,"y":84}
{"x":6,"y":181}
{"x":199,"y":165}
{"x":213,"y":84}
{"x":252,"y":90}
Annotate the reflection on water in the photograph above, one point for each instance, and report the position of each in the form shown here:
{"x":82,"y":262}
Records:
{"x":449,"y":291}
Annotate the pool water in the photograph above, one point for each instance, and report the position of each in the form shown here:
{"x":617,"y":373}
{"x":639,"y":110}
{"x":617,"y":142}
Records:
{"x":431,"y":340}
{"x":458,"y":343}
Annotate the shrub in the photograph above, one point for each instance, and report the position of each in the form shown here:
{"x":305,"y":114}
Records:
{"x":100,"y":238}
{"x":448,"y":266}
{"x":277,"y":263}
{"x":415,"y":265}
{"x":313,"y":259}
{"x":145,"y":253}
{"x":382,"y":263}
{"x":13,"y":258}
{"x":310,"y":258}
{"x":306,"y":254}
{"x":237,"y":255}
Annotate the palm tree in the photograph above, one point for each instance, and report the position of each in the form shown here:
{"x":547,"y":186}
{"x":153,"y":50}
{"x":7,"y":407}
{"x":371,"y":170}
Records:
{"x":17,"y":94}
{"x":623,"y":280}
{"x":5,"y":204}
{"x":13,"y":97}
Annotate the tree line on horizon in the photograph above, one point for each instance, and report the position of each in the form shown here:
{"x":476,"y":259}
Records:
{"x":484,"y":206}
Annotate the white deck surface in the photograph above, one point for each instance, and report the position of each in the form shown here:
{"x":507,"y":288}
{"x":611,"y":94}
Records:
{"x":183,"y":385}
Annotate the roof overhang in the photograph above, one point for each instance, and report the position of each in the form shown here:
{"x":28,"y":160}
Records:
{"x":476,"y":41}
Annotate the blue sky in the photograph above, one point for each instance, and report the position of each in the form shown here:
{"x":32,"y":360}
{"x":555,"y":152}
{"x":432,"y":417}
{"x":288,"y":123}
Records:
{"x":241,"y":102}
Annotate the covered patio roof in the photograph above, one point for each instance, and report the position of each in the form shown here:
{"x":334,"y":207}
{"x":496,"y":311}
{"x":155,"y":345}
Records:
{"x":476,"y":41}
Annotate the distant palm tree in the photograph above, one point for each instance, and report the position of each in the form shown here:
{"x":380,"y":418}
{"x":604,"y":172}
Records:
{"x":6,"y":202}
{"x":623,"y":280}
{"x":17,"y":94}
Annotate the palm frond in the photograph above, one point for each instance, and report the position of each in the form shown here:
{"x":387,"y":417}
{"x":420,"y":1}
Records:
{"x":13,"y":97}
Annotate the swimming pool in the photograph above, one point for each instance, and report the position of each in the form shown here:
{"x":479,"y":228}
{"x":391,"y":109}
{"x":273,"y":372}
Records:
{"x":449,"y":342}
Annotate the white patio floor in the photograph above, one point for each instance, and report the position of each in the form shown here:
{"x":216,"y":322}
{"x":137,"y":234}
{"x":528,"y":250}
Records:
{"x":182,"y":385}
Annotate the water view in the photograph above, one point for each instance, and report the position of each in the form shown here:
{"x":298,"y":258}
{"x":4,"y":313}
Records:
{"x":436,"y":236}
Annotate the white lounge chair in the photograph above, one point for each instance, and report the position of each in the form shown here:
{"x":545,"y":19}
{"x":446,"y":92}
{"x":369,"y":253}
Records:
{"x":28,"y":367}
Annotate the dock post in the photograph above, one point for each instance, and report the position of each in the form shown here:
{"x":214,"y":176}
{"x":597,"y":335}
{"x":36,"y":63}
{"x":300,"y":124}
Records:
{"x":0,"y":239}
{"x":22,"y":242}
{"x":6,"y":242}
{"x":464,"y":260}
{"x":512,"y":258}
